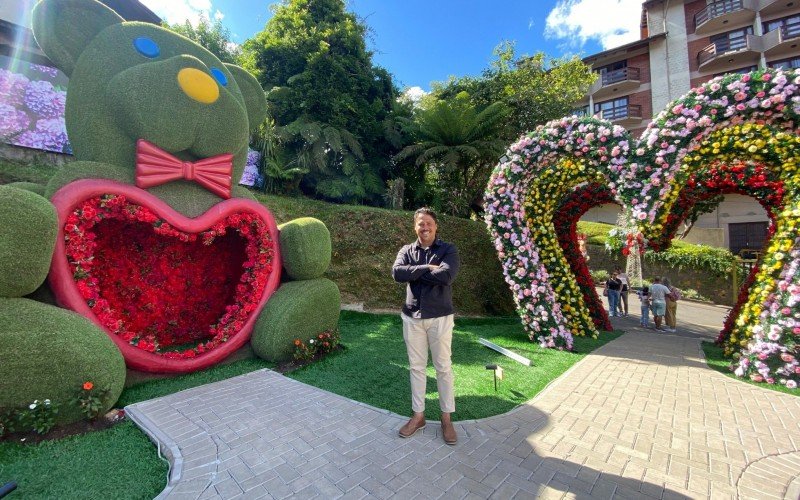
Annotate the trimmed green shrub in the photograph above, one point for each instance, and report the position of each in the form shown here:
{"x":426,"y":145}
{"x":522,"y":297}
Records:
{"x":305,"y":248}
{"x":48,"y":353}
{"x":29,"y":228}
{"x":297,"y":310}
{"x":33,"y":187}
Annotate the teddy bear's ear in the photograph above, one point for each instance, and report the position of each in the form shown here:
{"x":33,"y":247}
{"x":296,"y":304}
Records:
{"x":254,"y":99}
{"x":63,"y":28}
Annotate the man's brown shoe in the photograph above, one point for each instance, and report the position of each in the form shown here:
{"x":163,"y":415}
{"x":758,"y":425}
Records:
{"x":449,"y":433}
{"x":411,"y":427}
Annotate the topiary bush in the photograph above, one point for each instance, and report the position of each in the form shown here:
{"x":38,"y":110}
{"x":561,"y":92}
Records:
{"x":286,"y":318}
{"x":305,"y":248}
{"x":50,"y":353}
{"x":33,"y":187}
{"x":30,"y":219}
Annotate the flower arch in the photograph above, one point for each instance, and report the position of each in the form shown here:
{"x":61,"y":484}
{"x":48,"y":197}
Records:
{"x":524,"y":193}
{"x":737,"y":133}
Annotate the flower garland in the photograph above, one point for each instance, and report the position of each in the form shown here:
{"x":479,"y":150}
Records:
{"x":163,"y":290}
{"x":522,"y":196}
{"x":572,"y":207}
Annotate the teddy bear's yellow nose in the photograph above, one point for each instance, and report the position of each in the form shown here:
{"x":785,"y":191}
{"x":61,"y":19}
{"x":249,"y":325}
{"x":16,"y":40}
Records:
{"x":198,"y":85}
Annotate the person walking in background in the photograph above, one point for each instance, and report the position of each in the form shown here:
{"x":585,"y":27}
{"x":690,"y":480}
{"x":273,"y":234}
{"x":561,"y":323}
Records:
{"x":623,"y":292}
{"x":644,"y":298}
{"x":658,"y":301}
{"x":670,"y":316}
{"x":428,"y":266}
{"x":613,"y":287}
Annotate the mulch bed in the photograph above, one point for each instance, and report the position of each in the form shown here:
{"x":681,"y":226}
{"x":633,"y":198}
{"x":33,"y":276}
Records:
{"x":111,"y":419}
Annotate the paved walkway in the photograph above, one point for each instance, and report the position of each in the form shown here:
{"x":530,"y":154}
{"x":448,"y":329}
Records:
{"x":642,"y":417}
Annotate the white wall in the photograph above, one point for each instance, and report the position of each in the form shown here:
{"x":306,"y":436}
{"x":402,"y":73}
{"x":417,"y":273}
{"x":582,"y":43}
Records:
{"x":669,"y":59}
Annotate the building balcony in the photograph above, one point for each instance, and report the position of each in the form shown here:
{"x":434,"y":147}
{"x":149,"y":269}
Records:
{"x":782,"y":42}
{"x":624,"y":116}
{"x":617,"y":82}
{"x":770,"y":7}
{"x":723,"y":14}
{"x":724,"y":55}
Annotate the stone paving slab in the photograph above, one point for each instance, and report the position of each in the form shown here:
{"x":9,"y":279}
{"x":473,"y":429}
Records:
{"x":641,"y":417}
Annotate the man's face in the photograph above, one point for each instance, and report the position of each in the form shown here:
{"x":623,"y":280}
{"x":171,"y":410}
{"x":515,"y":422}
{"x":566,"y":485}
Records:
{"x":425,"y":227}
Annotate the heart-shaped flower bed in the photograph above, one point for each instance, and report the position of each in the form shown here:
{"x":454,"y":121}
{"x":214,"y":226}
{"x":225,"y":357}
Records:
{"x":175,"y":294}
{"x":737,"y":133}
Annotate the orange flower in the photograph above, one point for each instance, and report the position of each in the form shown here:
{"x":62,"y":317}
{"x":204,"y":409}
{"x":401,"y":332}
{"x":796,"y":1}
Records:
{"x":297,"y":342}
{"x":87,"y":386}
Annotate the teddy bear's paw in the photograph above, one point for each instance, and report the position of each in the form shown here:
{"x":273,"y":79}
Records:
{"x":297,"y":310}
{"x":28,"y":236}
{"x":305,"y":247}
{"x":49,"y":353}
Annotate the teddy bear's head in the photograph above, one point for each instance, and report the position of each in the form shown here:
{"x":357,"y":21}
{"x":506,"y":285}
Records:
{"x":133,"y":81}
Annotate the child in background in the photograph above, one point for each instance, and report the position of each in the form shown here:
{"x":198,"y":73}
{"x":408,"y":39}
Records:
{"x":644,"y":298}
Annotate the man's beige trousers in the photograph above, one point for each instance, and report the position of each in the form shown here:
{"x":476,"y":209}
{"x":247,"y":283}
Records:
{"x":436,"y":334}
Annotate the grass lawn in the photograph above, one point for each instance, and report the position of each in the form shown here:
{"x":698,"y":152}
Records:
{"x":374,"y":366}
{"x":716,"y":359}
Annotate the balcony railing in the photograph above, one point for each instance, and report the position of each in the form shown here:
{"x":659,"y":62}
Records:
{"x":721,"y":47}
{"x":717,"y":9}
{"x":620,"y":75}
{"x":622,"y":112}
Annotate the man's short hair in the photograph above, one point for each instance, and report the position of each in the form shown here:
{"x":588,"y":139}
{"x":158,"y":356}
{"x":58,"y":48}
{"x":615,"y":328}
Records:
{"x":426,"y":211}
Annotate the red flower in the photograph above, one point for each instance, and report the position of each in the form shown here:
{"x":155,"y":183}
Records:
{"x":87,"y":386}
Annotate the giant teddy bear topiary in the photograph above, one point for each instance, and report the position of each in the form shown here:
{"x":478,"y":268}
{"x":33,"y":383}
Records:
{"x":145,"y":235}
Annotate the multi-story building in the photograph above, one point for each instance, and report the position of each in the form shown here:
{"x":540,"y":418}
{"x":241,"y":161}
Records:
{"x":682,"y":44}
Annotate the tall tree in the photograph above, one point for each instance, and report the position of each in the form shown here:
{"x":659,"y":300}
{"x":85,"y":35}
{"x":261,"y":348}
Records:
{"x":455,"y":145}
{"x":312,"y":60}
{"x":535,"y":88}
{"x":213,"y":36}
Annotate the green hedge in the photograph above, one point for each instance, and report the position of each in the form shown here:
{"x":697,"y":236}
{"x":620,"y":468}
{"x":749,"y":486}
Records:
{"x":297,"y":310}
{"x":29,"y":228}
{"x":48,"y":353}
{"x":305,"y":248}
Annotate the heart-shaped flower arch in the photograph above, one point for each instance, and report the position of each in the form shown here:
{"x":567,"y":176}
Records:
{"x":738,"y":124}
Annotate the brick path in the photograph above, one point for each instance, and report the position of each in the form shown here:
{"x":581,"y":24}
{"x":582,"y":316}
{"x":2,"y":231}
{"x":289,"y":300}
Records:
{"x":642,"y":417}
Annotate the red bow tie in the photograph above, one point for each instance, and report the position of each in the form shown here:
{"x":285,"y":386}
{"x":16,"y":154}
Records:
{"x":154,"y":166}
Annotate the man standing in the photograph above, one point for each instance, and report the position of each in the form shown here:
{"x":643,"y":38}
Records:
{"x":658,"y":298}
{"x":429,"y":266}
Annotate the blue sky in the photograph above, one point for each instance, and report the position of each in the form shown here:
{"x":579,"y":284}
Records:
{"x":420,"y":41}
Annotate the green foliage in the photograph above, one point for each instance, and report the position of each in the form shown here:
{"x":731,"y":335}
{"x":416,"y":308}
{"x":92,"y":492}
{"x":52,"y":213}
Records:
{"x":29,"y":234}
{"x":298,"y":309}
{"x":48,"y":352}
{"x":374,"y":367}
{"x":719,"y":261}
{"x":38,"y":417}
{"x":535,"y":88}
{"x":119,"y":462}
{"x":305,"y":248}
{"x":213,"y":36}
{"x":457,"y":145}
{"x":91,"y":400}
{"x":19,"y":172}
{"x":599,"y":275}
{"x":312,"y":60}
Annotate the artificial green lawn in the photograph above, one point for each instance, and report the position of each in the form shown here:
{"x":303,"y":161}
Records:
{"x":374,"y":366}
{"x":715,"y":357}
{"x":119,"y":462}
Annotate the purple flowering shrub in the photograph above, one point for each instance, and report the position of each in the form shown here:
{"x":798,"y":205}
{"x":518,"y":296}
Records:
{"x":32,"y":108}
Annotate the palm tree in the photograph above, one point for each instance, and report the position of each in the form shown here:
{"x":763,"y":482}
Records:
{"x":459,"y":145}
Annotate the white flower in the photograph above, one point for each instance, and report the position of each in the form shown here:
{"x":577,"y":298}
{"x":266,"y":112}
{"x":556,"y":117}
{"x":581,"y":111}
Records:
{"x":32,"y":406}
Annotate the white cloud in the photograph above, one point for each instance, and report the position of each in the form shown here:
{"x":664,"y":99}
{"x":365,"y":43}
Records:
{"x":412,"y":95}
{"x":178,"y":11}
{"x":610,"y":22}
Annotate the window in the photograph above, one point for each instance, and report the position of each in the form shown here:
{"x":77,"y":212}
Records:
{"x":581,"y":111}
{"x":612,"y":110}
{"x":732,"y":40}
{"x":790,"y":26}
{"x":792,"y":63}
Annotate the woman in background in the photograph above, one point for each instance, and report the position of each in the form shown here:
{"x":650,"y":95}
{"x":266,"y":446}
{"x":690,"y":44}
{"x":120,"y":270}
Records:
{"x":670,"y":317}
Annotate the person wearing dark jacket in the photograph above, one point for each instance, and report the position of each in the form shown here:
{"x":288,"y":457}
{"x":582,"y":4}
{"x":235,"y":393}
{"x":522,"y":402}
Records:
{"x":428,"y":267}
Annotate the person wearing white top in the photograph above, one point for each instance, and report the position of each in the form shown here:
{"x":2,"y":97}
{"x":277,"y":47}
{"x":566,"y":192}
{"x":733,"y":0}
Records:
{"x":658,"y":300}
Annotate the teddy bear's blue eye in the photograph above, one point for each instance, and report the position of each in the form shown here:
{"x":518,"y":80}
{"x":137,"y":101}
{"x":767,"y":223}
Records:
{"x":146,"y":47}
{"x":220,"y":76}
